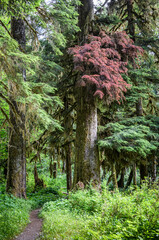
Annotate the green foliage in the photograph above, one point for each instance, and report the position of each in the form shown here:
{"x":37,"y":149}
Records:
{"x":14,"y":215}
{"x":138,"y":136}
{"x":131,"y":215}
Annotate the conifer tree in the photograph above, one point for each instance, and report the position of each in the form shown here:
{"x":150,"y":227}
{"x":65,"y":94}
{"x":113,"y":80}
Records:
{"x":100,"y":62}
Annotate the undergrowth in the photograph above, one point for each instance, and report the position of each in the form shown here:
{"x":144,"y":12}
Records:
{"x":14,"y":215}
{"x":90,"y":215}
{"x":14,"y":212}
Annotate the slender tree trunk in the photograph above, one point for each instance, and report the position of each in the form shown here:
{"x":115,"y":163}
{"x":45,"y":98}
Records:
{"x":68,"y":167}
{"x":68,"y":131}
{"x":143,"y":172}
{"x":16,"y":174}
{"x":87,"y":165}
{"x":63,"y":161}
{"x":54,"y":169}
{"x":154,"y":169}
{"x":134,"y":175}
{"x":121,"y":180}
{"x":58,"y":158}
{"x":129,"y":179}
{"x":51,"y":168}
{"x":114,"y":176}
{"x":139,"y":107}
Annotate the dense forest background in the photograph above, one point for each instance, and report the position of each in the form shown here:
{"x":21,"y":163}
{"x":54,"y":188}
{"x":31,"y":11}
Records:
{"x":79,"y":109}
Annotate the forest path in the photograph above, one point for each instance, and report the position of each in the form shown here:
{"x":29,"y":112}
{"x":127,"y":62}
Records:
{"x":33,"y":229}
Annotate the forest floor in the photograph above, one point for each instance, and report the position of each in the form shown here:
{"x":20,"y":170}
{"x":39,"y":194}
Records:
{"x":33,"y":229}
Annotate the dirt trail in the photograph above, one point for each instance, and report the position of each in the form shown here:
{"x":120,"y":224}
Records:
{"x":32,"y":231}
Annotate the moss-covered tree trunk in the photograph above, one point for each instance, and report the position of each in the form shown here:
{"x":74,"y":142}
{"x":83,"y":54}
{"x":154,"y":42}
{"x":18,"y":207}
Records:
{"x":87,"y":167}
{"x":16,"y":174}
{"x":129,"y":178}
{"x":121,"y":180}
{"x":114,"y":176}
{"x":154,"y":169}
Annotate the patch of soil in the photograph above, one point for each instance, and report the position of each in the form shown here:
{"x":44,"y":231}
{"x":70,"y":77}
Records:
{"x":32,"y":231}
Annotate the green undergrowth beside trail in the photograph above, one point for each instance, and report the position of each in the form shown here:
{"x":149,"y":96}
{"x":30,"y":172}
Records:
{"x":91,"y":215}
{"x":14,"y":212}
{"x":14,"y":215}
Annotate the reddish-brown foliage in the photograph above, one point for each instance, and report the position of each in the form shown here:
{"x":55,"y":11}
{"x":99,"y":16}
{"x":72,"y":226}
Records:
{"x":103,"y":60}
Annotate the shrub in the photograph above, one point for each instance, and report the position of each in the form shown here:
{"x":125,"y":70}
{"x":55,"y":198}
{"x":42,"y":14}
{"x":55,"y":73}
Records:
{"x":89,"y":215}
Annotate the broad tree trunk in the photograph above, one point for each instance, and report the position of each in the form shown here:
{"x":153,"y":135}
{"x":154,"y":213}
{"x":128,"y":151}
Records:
{"x":131,"y":22}
{"x":16,"y":174}
{"x":87,"y":166}
{"x":86,"y":15}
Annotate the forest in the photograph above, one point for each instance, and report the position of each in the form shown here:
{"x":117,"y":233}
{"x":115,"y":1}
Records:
{"x":79,"y":119}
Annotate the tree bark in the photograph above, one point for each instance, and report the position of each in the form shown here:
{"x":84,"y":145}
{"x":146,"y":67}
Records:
{"x":131,"y":22}
{"x":129,"y":179}
{"x":68,"y":167}
{"x":87,"y":165}
{"x":121,"y":180}
{"x":16,"y":174}
{"x":86,"y":15}
{"x":114,"y":176}
{"x":143,"y":172}
{"x":139,"y":107}
{"x":134,"y":175}
{"x":54,"y":170}
{"x":154,"y":169}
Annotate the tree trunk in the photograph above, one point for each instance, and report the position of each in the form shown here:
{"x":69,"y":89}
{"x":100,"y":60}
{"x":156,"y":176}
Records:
{"x":16,"y":175}
{"x":58,"y":158}
{"x":87,"y":165}
{"x":121,"y":180}
{"x":63,"y":161}
{"x":68,"y":133}
{"x":68,"y":167}
{"x":86,"y":15}
{"x":131,"y":22}
{"x":143,"y":172}
{"x":139,"y":108}
{"x":39,"y":183}
{"x":134,"y":175}
{"x":54,"y":170}
{"x":51,"y":167}
{"x":154,"y":169}
{"x":114,"y":176}
{"x":129,"y":179}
